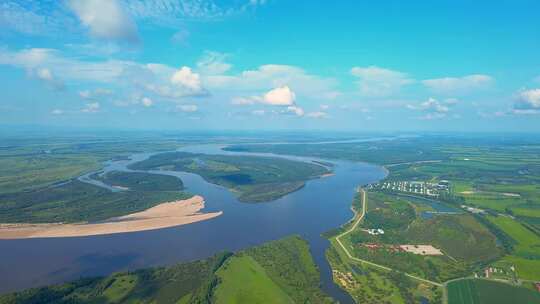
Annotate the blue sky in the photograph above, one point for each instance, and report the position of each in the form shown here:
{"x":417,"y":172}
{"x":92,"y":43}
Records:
{"x":271,"y":64}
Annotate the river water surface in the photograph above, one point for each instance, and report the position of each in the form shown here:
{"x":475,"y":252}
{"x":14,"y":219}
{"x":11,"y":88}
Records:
{"x":321,"y":205}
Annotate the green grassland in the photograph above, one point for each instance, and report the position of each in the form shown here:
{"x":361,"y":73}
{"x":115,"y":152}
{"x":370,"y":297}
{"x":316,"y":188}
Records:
{"x":465,"y":242}
{"x":254,"y":179}
{"x":470,"y":291}
{"x":140,"y":181}
{"x":76,"y":201}
{"x":281,"y":270}
{"x":525,"y":254}
{"x":243,"y":280}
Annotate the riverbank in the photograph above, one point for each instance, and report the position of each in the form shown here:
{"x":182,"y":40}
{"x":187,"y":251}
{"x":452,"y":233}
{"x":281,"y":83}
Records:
{"x":164,"y":215}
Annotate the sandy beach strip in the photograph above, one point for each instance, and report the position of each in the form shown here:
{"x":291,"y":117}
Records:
{"x":164,"y":215}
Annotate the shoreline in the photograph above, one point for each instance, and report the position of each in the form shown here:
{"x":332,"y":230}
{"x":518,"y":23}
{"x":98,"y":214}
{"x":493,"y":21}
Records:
{"x":164,"y":215}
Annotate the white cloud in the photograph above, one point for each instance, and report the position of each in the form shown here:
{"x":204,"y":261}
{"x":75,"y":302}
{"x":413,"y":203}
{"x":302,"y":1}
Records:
{"x":282,"y":96}
{"x":378,"y":82}
{"x":186,"y":78}
{"x":92,"y":107}
{"x":459,"y":84}
{"x":157,"y":78}
{"x":213,"y":63}
{"x":274,"y":75}
{"x":106,"y":19}
{"x":527,"y":102}
{"x":147,"y":102}
{"x":432,"y":109}
{"x":324,"y":107}
{"x":318,"y":114}
{"x":295,"y":110}
{"x":187,"y":108}
{"x":57,"y":112}
{"x":45,"y":75}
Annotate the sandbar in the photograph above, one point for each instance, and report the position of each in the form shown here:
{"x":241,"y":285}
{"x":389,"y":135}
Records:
{"x":164,"y":215}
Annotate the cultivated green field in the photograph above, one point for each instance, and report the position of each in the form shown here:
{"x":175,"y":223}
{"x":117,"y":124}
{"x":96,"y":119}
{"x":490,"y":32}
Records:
{"x":525,"y":254}
{"x":489,"y":292}
{"x":243,"y":280}
{"x":254,"y":179}
{"x":280,"y":271}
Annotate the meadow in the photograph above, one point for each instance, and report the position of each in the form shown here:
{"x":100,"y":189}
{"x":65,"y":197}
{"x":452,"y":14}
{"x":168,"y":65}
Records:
{"x":471,"y":291}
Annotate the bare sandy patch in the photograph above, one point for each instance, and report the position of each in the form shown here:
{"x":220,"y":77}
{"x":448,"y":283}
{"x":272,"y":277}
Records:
{"x":164,"y":215}
{"x":421,"y":249}
{"x":467,"y":192}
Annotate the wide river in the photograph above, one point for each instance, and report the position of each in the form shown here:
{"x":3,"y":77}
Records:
{"x":321,"y":205}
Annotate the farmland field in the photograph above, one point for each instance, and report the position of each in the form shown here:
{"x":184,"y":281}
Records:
{"x":470,"y":291}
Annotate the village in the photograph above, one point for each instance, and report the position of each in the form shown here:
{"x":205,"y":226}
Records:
{"x":416,"y":187}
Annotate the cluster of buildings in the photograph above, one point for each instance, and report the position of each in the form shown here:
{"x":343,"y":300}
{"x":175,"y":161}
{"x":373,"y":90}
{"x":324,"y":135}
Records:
{"x":473,"y":210}
{"x":375,"y":231}
{"x":415,"y":187}
{"x":345,"y":279}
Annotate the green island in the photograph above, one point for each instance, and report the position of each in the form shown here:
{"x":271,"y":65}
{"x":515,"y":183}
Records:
{"x":253,"y":179}
{"x":280,"y":271}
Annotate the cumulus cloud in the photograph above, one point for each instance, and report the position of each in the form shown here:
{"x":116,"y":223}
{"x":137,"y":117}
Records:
{"x":432,"y":109}
{"x":57,"y":112}
{"x":187,"y":108}
{"x":282,"y":96}
{"x":92,"y":107}
{"x":458,"y":84}
{"x":106,"y":19}
{"x":527,"y":102}
{"x":163,"y":80}
{"x":188,"y":79}
{"x":274,"y":75}
{"x":378,"y":82}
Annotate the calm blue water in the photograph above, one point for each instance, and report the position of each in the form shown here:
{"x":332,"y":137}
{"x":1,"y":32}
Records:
{"x":321,"y":205}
